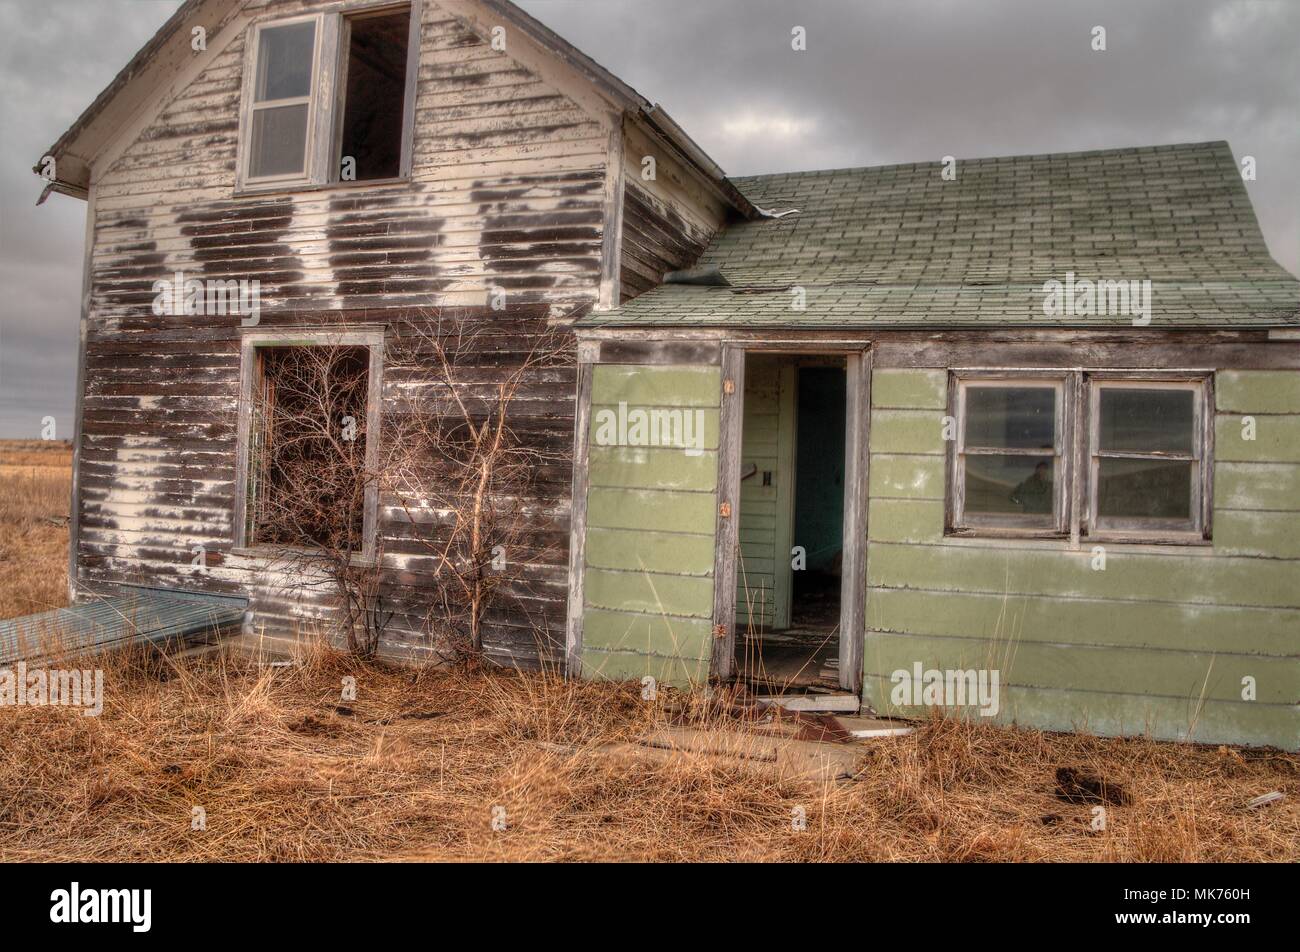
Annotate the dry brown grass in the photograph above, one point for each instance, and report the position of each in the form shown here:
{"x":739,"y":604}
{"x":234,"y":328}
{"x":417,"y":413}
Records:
{"x":413,"y":768}
{"x":35,"y":479}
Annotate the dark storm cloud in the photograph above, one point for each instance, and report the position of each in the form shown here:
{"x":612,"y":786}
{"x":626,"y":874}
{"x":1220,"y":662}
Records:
{"x":885,"y":82}
{"x":880,"y":82}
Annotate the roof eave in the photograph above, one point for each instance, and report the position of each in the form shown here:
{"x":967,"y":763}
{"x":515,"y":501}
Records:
{"x":630,"y":101}
{"x":658,"y":119}
{"x":601,"y":323}
{"x":83,"y":140}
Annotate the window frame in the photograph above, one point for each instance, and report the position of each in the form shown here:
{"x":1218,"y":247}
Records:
{"x":959,"y":521}
{"x":251,"y":342}
{"x":321,"y":168}
{"x":346,"y":16}
{"x":1077,"y":441}
{"x":1113,"y":528}
{"x":249,"y":108}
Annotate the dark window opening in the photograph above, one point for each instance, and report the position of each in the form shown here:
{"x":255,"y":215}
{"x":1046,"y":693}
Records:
{"x":307,"y":472}
{"x":819,"y":497}
{"x":374,"y":102}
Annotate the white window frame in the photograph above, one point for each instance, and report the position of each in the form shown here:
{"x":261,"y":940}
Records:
{"x":962,"y":522}
{"x":317,"y":100}
{"x":1195,"y":528}
{"x":251,"y":342}
{"x":326,"y":100}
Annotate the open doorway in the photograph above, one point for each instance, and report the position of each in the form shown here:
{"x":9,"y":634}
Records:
{"x":791,"y":522}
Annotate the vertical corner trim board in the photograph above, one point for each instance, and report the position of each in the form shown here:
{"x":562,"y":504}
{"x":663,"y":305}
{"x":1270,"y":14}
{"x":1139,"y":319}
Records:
{"x":1161,"y":642}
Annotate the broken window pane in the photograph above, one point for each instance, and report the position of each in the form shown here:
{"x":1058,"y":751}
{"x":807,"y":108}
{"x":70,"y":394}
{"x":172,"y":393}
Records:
{"x":308,"y":447}
{"x":1011,"y":417}
{"x":279,"y":141}
{"x":375,"y":97}
{"x":1144,"y":420}
{"x":284,"y":61}
{"x":1144,"y":489}
{"x":1010,"y":484}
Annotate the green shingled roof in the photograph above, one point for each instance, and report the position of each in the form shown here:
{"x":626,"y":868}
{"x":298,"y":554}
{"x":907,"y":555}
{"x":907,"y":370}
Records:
{"x":899,"y":245}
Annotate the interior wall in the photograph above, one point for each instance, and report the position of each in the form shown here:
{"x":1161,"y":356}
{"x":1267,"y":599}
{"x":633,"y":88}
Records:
{"x":819,"y":467}
{"x":767,"y":449}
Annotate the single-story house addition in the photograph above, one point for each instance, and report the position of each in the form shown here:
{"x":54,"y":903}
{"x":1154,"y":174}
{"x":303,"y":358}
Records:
{"x":1027,"y":427}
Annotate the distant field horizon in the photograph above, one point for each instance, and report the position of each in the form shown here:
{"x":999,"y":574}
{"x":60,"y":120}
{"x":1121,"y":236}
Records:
{"x":35,"y":494}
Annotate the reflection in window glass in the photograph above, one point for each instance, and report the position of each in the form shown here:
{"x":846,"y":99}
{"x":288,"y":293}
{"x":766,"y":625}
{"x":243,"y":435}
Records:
{"x":1144,"y":488}
{"x":279,"y":141}
{"x":1146,"y":420}
{"x":284,"y":61}
{"x":1009,"y":485}
{"x":1011,"y":417}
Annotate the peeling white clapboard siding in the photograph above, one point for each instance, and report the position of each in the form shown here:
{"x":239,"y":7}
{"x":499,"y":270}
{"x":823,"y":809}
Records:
{"x":507,"y":189}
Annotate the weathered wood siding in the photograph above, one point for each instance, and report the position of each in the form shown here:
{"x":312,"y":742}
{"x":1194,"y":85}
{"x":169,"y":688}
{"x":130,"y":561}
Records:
{"x":651,"y":517}
{"x":656,"y":239}
{"x":507,"y":177}
{"x":668,"y":219}
{"x":1158,"y":642}
{"x":507,"y":191}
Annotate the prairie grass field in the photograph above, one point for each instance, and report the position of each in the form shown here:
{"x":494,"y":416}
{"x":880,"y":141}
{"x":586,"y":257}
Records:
{"x":470,"y":762}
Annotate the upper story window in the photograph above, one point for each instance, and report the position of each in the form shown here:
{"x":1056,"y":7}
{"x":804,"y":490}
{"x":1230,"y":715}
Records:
{"x":328,"y":98}
{"x":374,"y":84}
{"x":1110,"y":455}
{"x":282,"y":99}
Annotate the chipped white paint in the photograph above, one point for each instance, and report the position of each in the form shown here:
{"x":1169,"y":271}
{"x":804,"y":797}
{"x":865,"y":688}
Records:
{"x":509,"y":169}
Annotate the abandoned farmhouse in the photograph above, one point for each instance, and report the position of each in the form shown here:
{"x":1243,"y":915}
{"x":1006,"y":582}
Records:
{"x":1036,"y":416}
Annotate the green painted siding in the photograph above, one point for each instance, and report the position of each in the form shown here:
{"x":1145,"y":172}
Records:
{"x":651,"y":515}
{"x":762,"y":588}
{"x":1158,"y":642}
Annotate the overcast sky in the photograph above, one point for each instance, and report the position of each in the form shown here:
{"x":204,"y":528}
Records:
{"x":881,"y":82}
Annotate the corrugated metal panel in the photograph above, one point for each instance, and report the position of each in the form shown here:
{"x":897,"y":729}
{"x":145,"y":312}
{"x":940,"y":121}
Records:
{"x":136,"y":615}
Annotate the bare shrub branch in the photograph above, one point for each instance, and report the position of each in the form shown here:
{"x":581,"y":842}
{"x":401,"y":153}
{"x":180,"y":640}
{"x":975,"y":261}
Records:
{"x":450,"y":468}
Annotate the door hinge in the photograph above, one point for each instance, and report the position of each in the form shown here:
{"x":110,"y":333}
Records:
{"x":725,"y":510}
{"x":728,"y":386}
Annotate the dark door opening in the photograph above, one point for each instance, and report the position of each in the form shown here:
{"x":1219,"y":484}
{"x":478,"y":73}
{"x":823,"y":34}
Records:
{"x":819,"y":497}
{"x":788,"y":602}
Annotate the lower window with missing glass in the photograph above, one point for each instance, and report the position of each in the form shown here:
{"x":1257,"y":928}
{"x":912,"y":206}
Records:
{"x":309,"y":411}
{"x":1111,"y":455}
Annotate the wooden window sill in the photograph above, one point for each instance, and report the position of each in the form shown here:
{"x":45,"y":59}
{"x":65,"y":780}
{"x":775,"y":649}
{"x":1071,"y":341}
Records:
{"x":291,"y":552}
{"x":291,"y":188}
